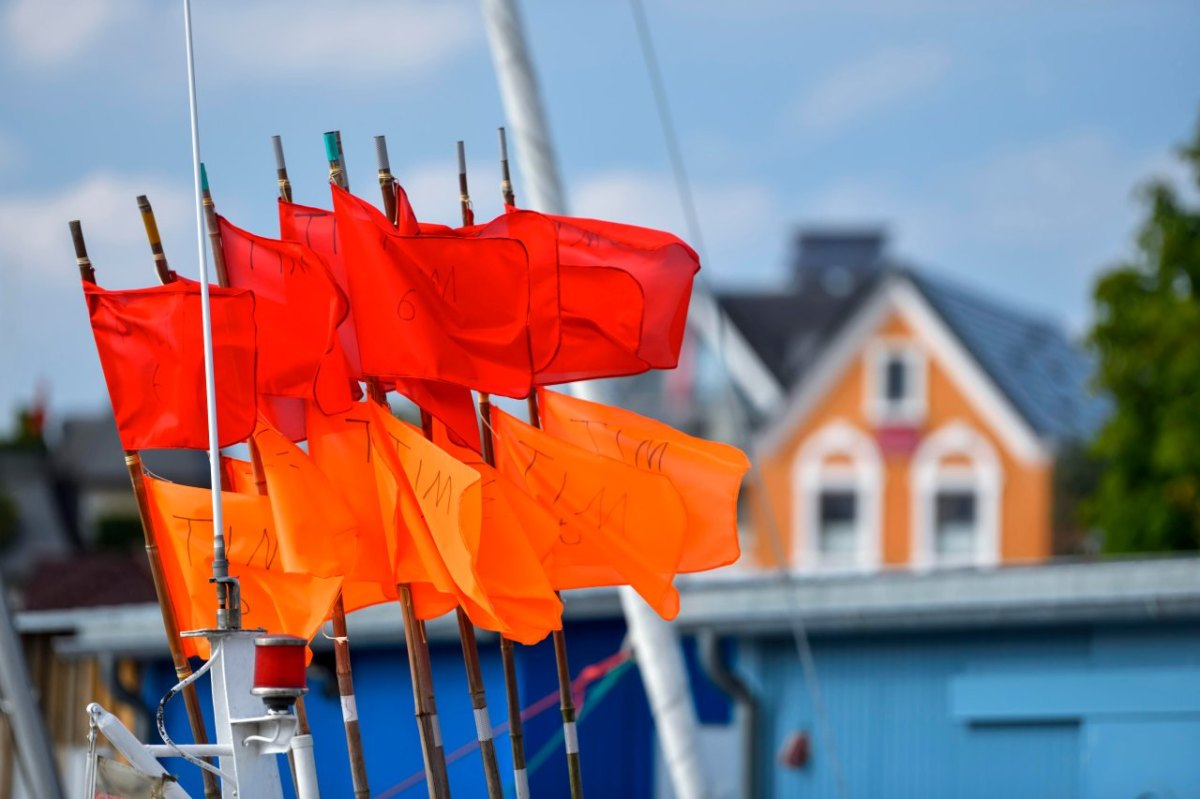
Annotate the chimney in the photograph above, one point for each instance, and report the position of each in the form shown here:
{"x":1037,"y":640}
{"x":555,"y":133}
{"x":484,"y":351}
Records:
{"x":837,"y":261}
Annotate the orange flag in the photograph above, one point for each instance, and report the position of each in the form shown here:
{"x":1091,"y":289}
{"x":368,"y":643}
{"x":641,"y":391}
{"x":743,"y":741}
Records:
{"x":706,"y":474}
{"x":343,"y":449}
{"x":274,"y":599}
{"x":435,"y":503}
{"x":617,"y":524}
{"x":517,"y":538}
{"x":318,"y":532}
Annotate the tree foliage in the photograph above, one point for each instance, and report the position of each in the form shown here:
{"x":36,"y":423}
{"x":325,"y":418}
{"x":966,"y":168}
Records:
{"x":1147,"y":337}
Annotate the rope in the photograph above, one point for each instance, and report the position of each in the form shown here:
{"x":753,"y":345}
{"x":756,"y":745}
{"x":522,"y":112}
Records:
{"x":606,"y":670}
{"x":799,"y":631}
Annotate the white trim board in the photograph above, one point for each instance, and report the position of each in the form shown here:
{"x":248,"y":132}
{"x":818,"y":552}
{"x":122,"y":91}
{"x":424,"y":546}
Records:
{"x":896,"y":293}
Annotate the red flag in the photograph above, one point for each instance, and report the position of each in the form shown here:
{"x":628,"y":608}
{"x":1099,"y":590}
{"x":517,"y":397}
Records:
{"x":316,"y":228}
{"x":537,"y":233}
{"x":151,"y":348}
{"x":298,"y":308}
{"x":620,"y":293}
{"x":433,"y":307}
{"x":625,"y":293}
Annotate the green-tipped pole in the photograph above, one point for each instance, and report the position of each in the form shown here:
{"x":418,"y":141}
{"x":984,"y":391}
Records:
{"x":420,"y":668}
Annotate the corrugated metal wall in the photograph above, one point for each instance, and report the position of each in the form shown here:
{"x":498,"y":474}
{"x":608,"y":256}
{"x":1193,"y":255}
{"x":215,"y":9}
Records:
{"x":958,"y":715}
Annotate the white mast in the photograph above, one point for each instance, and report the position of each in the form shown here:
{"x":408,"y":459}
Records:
{"x":228,"y":611}
{"x":654,"y":641}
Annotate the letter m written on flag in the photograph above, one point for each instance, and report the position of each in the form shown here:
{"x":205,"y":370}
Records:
{"x":437,"y":308}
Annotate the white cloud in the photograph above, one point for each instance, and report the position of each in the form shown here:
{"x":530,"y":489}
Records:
{"x":390,"y":40}
{"x":48,"y":33}
{"x":740,"y":222}
{"x":35,"y":245}
{"x":871,"y":86}
{"x":374,"y":38}
{"x":1036,"y":223}
{"x":432,"y":189}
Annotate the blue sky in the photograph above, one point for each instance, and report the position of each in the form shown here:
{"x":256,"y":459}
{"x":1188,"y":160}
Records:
{"x":1001,"y":143}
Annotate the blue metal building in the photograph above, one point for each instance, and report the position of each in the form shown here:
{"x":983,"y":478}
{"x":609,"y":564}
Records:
{"x":1043,"y":682}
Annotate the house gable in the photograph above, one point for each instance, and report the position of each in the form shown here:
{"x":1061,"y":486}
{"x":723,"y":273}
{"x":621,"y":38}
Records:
{"x":960,"y":404}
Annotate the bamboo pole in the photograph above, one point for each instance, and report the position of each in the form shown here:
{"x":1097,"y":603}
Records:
{"x":466,"y":630}
{"x":133,"y":462}
{"x":512,"y":689}
{"x":281,"y":173}
{"x":420,"y":668}
{"x":566,"y":699}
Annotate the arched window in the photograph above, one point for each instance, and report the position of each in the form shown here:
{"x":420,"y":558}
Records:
{"x":956,"y":484}
{"x":837,"y":487}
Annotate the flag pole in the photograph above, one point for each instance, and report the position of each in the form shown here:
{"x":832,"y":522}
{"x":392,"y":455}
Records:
{"x":133,"y":463}
{"x":341,"y":641}
{"x":260,"y":478}
{"x":466,"y":630}
{"x":516,"y":726}
{"x":566,"y":699}
{"x":281,"y":173}
{"x":420,"y":669}
{"x":512,"y":689}
{"x":229,"y":613}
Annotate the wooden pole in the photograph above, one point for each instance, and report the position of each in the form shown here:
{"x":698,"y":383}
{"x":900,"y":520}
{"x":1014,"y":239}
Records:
{"x":419,"y":667}
{"x":566,"y":700}
{"x":281,"y":173}
{"x":133,"y":463}
{"x":165,"y":275}
{"x":466,"y":630}
{"x":512,"y":689}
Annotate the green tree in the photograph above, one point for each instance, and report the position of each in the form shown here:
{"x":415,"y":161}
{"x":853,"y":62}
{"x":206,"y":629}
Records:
{"x":1147,"y":336}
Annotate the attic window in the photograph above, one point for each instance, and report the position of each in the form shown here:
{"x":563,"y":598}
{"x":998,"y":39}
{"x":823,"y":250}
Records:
{"x":895,"y":385}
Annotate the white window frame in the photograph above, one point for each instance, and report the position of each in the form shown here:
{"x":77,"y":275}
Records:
{"x":812,"y":475}
{"x":983,"y":474}
{"x":878,"y":409}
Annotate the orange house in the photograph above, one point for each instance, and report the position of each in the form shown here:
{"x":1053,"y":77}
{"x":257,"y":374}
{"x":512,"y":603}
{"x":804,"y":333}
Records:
{"x":921,"y":429}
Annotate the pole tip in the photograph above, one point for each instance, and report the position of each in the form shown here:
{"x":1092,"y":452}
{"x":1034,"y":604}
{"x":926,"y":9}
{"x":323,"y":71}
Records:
{"x":462,"y":158}
{"x":203,"y":177}
{"x":381,"y":153}
{"x":277,"y":145}
{"x":143,"y":204}
{"x":331,"y":145}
